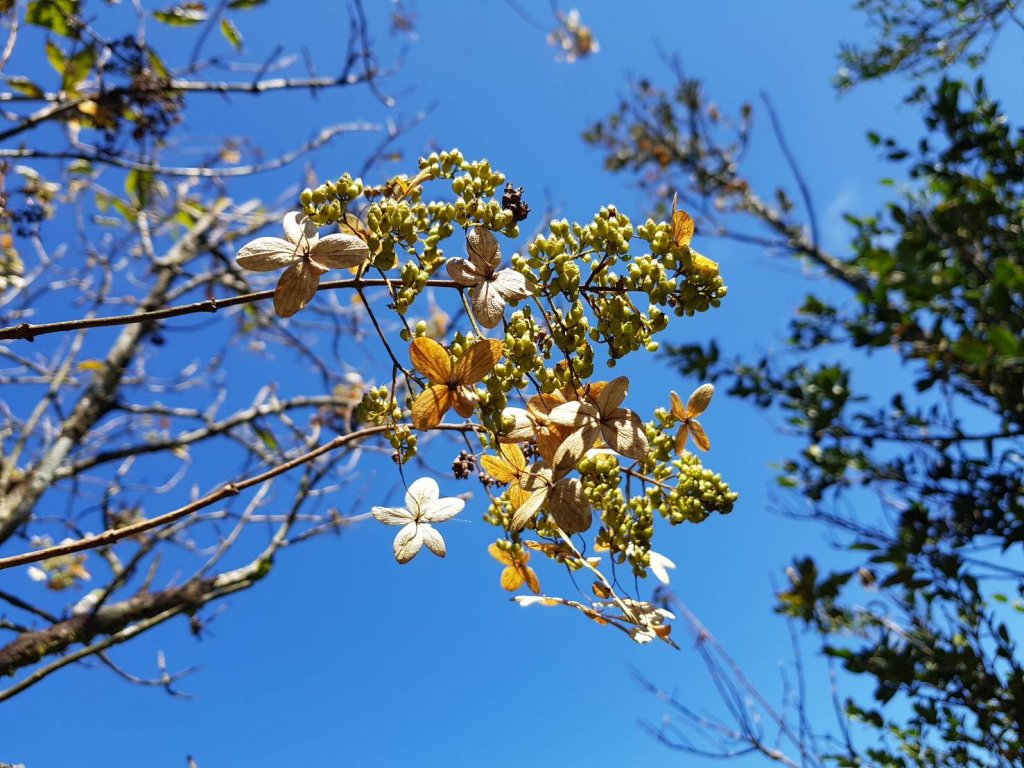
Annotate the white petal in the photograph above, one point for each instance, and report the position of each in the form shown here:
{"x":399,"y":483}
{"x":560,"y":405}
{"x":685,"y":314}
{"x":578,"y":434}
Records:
{"x":36,"y":574}
{"x":392,"y":515}
{"x":408,"y":542}
{"x":432,"y":539}
{"x":266,"y":254}
{"x":488,"y":304}
{"x":442,"y":509}
{"x":340,"y":252}
{"x":659,"y":564}
{"x":421,"y":494}
{"x":298,"y":228}
{"x":511,"y":284}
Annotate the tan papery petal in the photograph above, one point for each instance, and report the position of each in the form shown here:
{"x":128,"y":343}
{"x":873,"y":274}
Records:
{"x":266,"y":254}
{"x":295,"y":288}
{"x":511,"y":285}
{"x":699,"y":400}
{"x":569,"y":506}
{"x":463,"y":272}
{"x":488,"y":304}
{"x":483,"y":250}
{"x":339,"y":252}
{"x":625,"y":434}
{"x":700,"y":437}
{"x":612,"y":395}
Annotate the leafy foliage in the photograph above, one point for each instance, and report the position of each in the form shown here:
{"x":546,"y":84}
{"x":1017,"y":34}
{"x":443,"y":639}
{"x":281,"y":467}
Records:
{"x":935,"y":278}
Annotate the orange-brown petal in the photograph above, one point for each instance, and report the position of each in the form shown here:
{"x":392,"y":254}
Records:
{"x":478,"y":361}
{"x":430,"y":406}
{"x":431,"y":359}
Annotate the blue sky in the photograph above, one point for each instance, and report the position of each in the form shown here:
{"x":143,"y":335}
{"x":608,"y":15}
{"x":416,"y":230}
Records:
{"x":344,"y":658}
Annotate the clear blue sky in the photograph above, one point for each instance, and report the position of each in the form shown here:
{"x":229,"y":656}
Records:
{"x":344,"y":658}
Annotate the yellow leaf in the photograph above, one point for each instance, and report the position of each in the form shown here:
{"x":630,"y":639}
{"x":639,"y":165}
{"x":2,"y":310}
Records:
{"x":91,"y":365}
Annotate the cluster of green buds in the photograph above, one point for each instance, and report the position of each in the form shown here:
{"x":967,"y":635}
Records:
{"x":378,"y":406}
{"x":573,"y":462}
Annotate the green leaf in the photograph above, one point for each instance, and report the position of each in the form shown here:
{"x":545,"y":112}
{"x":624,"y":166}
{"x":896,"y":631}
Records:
{"x":236,"y":5}
{"x":971,"y":350}
{"x":56,"y":57}
{"x":231,"y":33}
{"x":58,"y":16}
{"x":77,"y":68}
{"x":24,"y":86}
{"x":267,"y":437}
{"x":1004,"y":341}
{"x":183,"y":15}
{"x":137,"y":185}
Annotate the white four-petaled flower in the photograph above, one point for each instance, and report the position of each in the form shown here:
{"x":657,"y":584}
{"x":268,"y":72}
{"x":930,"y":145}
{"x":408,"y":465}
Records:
{"x":422,"y":507}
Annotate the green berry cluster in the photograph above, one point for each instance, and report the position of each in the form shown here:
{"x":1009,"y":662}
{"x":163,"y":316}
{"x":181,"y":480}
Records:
{"x":377,"y":407}
{"x":403,"y":440}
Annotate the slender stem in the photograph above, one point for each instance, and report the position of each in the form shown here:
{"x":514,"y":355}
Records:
{"x":28,"y":331}
{"x":227,"y":490}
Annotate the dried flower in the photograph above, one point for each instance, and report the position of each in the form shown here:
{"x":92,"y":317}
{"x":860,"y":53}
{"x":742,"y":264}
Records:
{"x":600,"y":416}
{"x":564,"y":498}
{"x":509,"y":466}
{"x":305,"y":254}
{"x":516,"y":572}
{"x":490,"y":289}
{"x":422,"y":507}
{"x":695,"y":406}
{"x":450,"y":383}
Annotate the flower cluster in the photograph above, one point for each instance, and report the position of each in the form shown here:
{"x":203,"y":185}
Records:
{"x":562,"y":458}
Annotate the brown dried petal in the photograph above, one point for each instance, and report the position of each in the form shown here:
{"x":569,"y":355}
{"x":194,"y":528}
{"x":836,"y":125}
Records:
{"x":430,"y":406}
{"x":569,"y":506}
{"x":529,"y":508}
{"x":465,"y":400}
{"x":678,"y":409}
{"x":524,"y":428}
{"x":699,"y":400}
{"x":295,"y":288}
{"x":612,"y":395}
{"x":488,"y":304}
{"x":483,"y":250}
{"x":463,"y":272}
{"x":681,"y":437}
{"x":574,"y":414}
{"x":624,"y":433}
{"x":511,"y":285}
{"x":571,"y":451}
{"x":700,"y":437}
{"x":431,"y":359}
